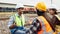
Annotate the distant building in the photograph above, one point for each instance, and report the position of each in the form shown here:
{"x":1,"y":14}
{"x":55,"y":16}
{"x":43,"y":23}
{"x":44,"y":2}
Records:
{"x":9,"y":5}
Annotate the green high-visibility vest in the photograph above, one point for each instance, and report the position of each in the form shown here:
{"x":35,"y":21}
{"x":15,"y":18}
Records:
{"x":20,"y":21}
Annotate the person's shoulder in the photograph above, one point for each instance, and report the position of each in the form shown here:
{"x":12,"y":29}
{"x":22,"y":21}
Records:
{"x":12,"y":16}
{"x":35,"y":19}
{"x":57,"y":17}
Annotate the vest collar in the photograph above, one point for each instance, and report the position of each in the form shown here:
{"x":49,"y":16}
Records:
{"x":17,"y":14}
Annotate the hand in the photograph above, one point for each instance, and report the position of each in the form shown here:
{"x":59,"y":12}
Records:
{"x":12,"y":26}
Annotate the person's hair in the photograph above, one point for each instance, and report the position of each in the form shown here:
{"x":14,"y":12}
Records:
{"x":54,"y":10}
{"x":21,"y":8}
{"x":39,"y":13}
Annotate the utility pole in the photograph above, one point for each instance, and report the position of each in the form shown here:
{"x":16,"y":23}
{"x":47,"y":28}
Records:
{"x":51,"y":1}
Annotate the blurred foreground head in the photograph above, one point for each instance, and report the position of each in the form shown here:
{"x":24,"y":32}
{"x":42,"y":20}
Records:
{"x":40,"y":8}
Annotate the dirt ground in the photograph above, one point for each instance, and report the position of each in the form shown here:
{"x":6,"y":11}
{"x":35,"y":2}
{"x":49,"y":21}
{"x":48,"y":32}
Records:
{"x":3,"y":22}
{"x":3,"y":27}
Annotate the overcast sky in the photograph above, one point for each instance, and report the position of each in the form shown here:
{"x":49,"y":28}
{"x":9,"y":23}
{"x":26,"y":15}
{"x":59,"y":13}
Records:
{"x":24,"y":1}
{"x":31,"y":2}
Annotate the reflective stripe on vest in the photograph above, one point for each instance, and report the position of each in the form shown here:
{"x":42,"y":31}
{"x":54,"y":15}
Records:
{"x":46,"y":28}
{"x":23,"y":19}
{"x":19,"y":21}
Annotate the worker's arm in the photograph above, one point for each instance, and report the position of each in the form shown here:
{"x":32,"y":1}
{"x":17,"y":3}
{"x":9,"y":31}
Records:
{"x":12,"y":26}
{"x":11,"y":23}
{"x":56,"y":21}
{"x":35,"y":26}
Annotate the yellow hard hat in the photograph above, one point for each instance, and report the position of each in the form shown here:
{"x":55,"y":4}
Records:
{"x":41,"y":6}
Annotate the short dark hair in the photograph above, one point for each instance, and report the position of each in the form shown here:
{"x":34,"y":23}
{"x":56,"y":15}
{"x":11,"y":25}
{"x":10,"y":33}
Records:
{"x":21,"y":8}
{"x":39,"y":13}
{"x":54,"y":10}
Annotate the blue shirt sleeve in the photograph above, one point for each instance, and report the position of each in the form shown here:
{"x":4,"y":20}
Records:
{"x":11,"y":20}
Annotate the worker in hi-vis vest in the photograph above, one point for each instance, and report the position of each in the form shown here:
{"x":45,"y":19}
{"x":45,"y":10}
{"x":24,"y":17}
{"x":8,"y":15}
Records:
{"x":17,"y":21}
{"x":40,"y":24}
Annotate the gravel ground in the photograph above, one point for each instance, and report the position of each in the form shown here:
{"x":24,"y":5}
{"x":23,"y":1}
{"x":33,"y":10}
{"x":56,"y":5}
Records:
{"x":3,"y":25}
